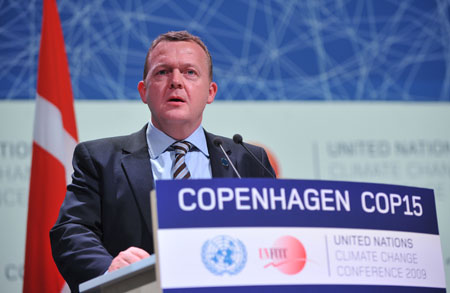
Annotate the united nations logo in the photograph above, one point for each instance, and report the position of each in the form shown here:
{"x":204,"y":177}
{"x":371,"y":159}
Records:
{"x":224,"y":254}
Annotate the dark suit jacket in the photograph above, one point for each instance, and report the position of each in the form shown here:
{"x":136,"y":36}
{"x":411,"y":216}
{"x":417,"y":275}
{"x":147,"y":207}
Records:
{"x":107,"y":205}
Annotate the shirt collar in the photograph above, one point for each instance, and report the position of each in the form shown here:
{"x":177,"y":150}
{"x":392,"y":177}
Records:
{"x":158,"y":141}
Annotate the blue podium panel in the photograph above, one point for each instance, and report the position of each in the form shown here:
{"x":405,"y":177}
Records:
{"x":265,"y":235}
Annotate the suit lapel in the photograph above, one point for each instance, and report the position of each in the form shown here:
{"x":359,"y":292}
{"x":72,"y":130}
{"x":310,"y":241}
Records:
{"x":137,"y":168}
{"x":219,"y":166}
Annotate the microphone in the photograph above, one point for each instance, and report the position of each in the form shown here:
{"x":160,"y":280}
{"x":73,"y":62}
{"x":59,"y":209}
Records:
{"x":218,"y":142}
{"x":237,"y":138}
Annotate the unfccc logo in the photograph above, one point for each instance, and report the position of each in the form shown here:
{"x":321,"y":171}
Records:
{"x":287,"y":255}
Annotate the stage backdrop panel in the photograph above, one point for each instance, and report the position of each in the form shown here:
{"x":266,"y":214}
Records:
{"x":407,"y":144}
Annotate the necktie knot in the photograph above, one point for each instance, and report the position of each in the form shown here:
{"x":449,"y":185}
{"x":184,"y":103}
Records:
{"x":179,"y":169}
{"x":182,"y":147}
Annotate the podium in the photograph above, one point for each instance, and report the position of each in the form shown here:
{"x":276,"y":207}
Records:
{"x":266,"y":235}
{"x":135,"y":278}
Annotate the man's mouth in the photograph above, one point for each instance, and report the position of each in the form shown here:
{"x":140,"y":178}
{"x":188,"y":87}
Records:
{"x":176,"y":99}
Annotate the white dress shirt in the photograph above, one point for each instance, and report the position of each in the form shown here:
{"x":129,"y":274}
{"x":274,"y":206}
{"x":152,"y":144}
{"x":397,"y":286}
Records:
{"x":161,"y":158}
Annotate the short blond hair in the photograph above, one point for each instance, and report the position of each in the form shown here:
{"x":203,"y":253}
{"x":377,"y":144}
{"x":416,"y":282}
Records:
{"x":179,"y":36}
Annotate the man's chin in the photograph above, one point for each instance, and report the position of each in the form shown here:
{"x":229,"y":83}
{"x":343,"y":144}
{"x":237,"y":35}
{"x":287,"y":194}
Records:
{"x":176,"y":117}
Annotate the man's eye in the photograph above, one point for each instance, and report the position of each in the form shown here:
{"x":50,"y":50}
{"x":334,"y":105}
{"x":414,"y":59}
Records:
{"x":161,"y":72}
{"x":190,"y":72}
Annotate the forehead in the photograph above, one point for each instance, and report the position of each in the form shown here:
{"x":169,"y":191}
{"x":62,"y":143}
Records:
{"x":177,"y":51}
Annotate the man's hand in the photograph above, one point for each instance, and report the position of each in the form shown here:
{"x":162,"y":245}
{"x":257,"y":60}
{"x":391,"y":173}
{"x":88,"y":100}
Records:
{"x":127,"y":257}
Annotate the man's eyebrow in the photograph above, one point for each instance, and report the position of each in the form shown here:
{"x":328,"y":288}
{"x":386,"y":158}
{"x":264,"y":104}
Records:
{"x":190,"y":65}
{"x":160,"y":65}
{"x":167,"y":65}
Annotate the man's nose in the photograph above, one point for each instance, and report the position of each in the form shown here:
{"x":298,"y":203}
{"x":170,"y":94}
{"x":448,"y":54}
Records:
{"x":175,"y":82}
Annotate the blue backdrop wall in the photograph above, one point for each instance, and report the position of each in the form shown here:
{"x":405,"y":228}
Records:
{"x":382,"y":50}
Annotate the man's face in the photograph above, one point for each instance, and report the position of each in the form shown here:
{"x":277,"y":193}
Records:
{"x":177,"y":86}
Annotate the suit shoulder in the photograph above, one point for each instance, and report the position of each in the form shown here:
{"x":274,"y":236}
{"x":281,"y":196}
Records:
{"x":103,"y":144}
{"x":231,"y":144}
{"x":106,"y":141}
{"x":116,"y":143}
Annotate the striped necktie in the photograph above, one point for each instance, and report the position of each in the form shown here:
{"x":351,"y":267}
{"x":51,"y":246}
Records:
{"x":179,"y":169}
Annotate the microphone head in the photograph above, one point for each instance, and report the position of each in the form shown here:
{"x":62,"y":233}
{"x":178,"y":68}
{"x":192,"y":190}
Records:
{"x":217,"y":141}
{"x":237,"y":138}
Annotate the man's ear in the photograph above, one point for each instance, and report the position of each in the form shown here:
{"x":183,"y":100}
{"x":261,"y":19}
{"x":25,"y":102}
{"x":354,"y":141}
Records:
{"x":142,"y":90}
{"x":212,"y":92}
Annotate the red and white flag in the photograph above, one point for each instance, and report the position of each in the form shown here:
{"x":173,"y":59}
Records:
{"x":54,"y":139}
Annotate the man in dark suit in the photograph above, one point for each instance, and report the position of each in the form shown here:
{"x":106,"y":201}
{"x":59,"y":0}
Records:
{"x":104,"y":223}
